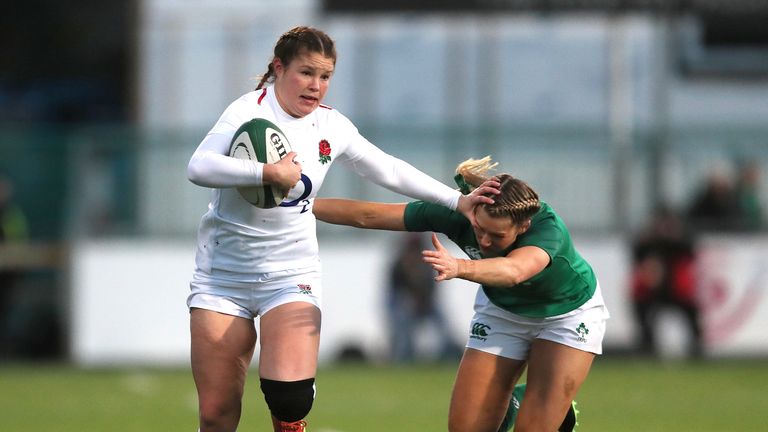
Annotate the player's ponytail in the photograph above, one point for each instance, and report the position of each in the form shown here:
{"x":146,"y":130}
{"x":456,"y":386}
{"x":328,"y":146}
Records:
{"x":264,"y":78}
{"x":473,"y":172}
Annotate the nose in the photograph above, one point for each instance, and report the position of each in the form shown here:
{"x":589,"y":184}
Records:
{"x":484,"y":241}
{"x":314,"y":83}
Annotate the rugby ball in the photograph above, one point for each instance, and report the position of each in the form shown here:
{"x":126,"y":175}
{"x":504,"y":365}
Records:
{"x":260,"y":140}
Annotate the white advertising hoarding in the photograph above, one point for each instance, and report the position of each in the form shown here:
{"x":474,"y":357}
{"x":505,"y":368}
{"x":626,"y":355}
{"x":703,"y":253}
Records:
{"x":128,"y":298}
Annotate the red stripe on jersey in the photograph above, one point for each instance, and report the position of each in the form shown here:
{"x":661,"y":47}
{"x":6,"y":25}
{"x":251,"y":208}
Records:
{"x":325,"y":106}
{"x":263,"y":93}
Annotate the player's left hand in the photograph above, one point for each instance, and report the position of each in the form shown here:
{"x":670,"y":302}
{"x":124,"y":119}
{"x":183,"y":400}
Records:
{"x":467,"y":203}
{"x":446,"y":266}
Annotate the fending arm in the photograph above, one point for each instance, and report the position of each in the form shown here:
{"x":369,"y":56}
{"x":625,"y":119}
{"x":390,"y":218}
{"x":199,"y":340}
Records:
{"x":360,"y":214}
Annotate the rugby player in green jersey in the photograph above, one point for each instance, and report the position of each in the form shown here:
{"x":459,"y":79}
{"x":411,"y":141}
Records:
{"x":538,"y":304}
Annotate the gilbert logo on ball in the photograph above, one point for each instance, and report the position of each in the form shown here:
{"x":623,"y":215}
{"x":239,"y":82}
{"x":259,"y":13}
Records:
{"x":262,"y":141}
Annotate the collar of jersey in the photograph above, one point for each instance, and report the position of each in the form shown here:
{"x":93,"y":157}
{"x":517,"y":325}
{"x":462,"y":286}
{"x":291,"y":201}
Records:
{"x":283,"y":117}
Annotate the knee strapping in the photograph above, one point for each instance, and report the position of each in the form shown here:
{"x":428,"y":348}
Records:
{"x":289,"y":401}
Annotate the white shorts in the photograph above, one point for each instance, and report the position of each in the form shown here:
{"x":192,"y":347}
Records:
{"x":254,"y":295}
{"x":502,"y":333}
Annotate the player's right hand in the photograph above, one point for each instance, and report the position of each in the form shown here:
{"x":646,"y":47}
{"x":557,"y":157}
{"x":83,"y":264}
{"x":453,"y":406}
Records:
{"x":284,"y":173}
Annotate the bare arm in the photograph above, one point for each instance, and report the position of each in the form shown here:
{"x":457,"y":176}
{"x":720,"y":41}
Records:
{"x":519,"y":266}
{"x":360,"y":214}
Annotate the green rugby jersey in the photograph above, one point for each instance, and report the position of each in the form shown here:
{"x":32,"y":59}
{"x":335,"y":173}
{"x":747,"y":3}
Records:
{"x":564,"y":285}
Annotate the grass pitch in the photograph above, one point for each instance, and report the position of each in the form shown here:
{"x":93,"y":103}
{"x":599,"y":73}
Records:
{"x":620,"y":395}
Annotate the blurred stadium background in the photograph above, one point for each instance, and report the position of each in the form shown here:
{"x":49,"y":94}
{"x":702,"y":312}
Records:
{"x":606,"y":108}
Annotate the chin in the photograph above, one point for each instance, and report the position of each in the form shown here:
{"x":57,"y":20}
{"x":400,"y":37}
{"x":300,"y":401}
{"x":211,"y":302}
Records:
{"x":306,"y":110}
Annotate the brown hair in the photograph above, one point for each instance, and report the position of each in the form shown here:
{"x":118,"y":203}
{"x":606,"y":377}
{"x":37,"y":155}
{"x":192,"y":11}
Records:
{"x":517,"y":199}
{"x":297,"y":41}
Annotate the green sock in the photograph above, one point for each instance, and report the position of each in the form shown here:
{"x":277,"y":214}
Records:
{"x":569,"y":422}
{"x":514,"y":405}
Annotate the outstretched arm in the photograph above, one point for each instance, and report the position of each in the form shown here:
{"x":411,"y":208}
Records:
{"x":520,"y":265}
{"x":360,"y":214}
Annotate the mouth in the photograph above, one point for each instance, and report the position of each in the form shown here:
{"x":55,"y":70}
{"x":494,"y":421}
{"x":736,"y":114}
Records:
{"x":310,"y":99}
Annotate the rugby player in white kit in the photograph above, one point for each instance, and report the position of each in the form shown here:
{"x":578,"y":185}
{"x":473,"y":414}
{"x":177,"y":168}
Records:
{"x":254,"y":262}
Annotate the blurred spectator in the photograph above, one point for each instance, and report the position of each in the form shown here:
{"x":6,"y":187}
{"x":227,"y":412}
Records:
{"x":13,"y":230}
{"x":714,"y":207}
{"x":748,"y":197}
{"x":725,"y":203}
{"x":664,"y":276}
{"x":411,"y":303}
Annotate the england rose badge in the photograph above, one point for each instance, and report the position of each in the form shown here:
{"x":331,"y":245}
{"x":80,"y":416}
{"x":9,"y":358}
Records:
{"x":325,"y":151}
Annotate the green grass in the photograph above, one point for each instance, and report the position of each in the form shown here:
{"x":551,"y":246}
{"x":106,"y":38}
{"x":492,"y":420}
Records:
{"x":648,"y":396}
{"x":620,"y":395}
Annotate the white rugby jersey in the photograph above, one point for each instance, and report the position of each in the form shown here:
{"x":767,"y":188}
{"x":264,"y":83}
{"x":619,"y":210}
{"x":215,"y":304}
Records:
{"x":235,"y":236}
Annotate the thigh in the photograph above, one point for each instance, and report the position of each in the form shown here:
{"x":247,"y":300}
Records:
{"x":290,"y":338}
{"x":221,"y":351}
{"x":555,"y":374}
{"x":482,"y":391}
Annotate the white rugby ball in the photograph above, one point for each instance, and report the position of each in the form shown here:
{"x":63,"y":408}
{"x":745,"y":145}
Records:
{"x":260,"y":140}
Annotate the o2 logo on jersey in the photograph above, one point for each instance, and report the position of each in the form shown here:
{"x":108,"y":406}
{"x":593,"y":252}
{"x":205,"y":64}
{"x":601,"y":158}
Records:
{"x":306,"y":184}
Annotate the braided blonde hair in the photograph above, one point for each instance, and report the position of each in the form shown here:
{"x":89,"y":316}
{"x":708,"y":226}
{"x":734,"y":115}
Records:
{"x":476,"y":171}
{"x":517,"y":199}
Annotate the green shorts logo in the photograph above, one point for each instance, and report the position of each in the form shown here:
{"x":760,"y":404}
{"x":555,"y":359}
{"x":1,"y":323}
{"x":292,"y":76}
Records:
{"x":479,"y":331}
{"x":583,"y":331}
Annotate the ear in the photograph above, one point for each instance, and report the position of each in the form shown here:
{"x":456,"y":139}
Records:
{"x":525,"y":226}
{"x":277,"y":66}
